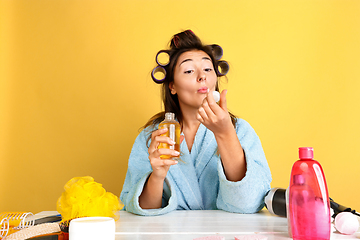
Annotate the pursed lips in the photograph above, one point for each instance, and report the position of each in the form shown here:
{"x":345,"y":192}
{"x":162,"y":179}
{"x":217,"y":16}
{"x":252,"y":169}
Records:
{"x":203,"y":90}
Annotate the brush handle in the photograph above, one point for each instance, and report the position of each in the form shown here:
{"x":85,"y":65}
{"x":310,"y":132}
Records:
{"x":52,"y":236}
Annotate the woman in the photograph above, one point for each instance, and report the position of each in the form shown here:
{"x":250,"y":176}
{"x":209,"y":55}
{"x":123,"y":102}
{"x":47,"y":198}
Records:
{"x":224,"y":166}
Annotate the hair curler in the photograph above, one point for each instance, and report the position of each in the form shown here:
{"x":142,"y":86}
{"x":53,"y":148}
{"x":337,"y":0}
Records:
{"x":158,"y":69}
{"x":13,"y":221}
{"x":217,"y":51}
{"x":223,"y":68}
{"x":162,"y":58}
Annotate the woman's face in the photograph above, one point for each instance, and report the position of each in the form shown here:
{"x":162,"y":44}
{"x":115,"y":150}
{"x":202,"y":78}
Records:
{"x":194,"y":76}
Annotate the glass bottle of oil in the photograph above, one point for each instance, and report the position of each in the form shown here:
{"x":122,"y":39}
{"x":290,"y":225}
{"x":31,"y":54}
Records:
{"x":173,"y":132}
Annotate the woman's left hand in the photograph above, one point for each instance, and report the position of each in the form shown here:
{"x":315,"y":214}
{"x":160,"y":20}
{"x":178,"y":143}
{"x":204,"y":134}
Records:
{"x":215,"y":116}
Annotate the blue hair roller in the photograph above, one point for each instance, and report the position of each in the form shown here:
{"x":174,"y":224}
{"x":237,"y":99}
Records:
{"x":162,"y":63}
{"x":217,"y":51}
{"x":223,"y":68}
{"x":158,"y":69}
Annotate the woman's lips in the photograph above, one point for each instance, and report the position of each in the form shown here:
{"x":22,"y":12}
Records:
{"x":203,"y":90}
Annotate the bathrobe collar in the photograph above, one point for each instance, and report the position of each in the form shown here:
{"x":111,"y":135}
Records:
{"x":203,"y":150}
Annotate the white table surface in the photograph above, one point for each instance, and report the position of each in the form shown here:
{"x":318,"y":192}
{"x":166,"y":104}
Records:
{"x":200,"y":223}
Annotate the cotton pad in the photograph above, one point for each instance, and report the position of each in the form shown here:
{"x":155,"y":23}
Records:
{"x":251,"y":237}
{"x":346,"y":223}
{"x":216,"y":96}
{"x":210,"y":238}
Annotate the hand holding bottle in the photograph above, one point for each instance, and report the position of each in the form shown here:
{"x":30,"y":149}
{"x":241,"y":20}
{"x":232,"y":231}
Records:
{"x":151,"y":197}
{"x":160,"y":165}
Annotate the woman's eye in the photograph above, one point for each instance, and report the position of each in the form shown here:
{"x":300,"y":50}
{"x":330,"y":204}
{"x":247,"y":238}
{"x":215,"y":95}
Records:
{"x":188,"y":71}
{"x":208,"y":69}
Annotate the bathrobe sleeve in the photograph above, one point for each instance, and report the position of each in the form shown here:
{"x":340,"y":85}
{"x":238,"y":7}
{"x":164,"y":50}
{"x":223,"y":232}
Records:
{"x":139,"y":169}
{"x":247,"y":195}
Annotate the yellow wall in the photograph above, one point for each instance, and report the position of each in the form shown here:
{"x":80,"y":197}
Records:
{"x":75,"y":86}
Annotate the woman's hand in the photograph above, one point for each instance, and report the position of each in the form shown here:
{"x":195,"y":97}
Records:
{"x":213,"y":116}
{"x":151,"y":196}
{"x":217,"y":118}
{"x":160,"y":165}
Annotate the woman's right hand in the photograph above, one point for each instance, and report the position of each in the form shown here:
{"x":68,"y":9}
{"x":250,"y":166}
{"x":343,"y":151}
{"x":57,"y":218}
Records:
{"x":159,"y":165}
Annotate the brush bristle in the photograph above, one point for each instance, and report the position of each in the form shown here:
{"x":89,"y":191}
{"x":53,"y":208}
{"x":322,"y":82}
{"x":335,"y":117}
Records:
{"x":64,"y":224}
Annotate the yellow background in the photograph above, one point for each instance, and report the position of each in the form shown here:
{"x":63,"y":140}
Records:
{"x":75,"y":86}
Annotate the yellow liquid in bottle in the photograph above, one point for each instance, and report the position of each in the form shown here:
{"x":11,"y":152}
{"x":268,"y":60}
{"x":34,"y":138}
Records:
{"x":173,"y":132}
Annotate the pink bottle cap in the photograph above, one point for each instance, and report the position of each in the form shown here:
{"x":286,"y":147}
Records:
{"x":299,"y":179}
{"x":306,"y":153}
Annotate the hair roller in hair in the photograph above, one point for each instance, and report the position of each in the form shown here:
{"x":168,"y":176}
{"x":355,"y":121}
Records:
{"x":217,"y":51}
{"x":223,"y":68}
{"x":162,"y":58}
{"x":158,"y":74}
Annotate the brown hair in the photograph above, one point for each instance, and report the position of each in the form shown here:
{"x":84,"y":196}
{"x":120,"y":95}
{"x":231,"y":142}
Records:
{"x":182,"y":42}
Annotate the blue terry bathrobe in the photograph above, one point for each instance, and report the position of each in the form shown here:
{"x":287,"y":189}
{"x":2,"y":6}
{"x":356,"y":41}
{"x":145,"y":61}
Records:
{"x":200,"y":182}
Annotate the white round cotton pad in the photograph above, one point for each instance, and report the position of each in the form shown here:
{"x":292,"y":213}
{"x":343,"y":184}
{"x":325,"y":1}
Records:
{"x":346,"y":223}
{"x":92,"y":228}
{"x":216,"y":96}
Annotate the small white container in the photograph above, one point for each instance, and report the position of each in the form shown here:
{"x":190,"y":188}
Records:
{"x":92,"y":228}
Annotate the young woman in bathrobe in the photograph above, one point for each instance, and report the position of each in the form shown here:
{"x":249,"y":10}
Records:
{"x":223,"y":164}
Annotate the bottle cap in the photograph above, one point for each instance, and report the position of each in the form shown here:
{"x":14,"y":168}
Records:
{"x":306,"y":153}
{"x":299,"y":179}
{"x":169,"y":115}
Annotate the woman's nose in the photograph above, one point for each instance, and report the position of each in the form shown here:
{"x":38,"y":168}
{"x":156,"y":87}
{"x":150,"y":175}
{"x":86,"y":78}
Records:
{"x":201,"y":77}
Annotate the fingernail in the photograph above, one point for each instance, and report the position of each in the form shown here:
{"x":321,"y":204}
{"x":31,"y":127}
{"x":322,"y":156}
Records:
{"x":172,"y":142}
{"x":177,"y":153}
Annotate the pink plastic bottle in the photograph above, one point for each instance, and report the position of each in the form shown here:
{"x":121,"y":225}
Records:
{"x":309,"y":205}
